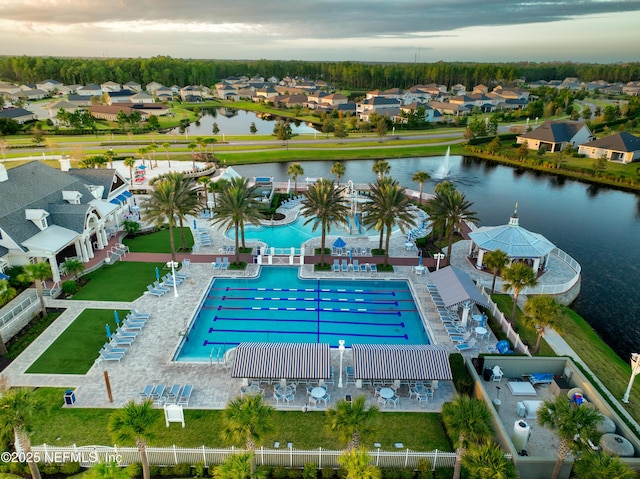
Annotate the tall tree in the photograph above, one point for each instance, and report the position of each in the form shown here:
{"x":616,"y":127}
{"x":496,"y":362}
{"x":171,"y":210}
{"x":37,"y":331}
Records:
{"x":495,"y":261}
{"x":134,"y":422}
{"x":238,"y":466}
{"x":488,"y":461}
{"x":381,"y":168}
{"x":517,"y":277}
{"x":165,"y":146}
{"x":357,"y":465}
{"x":109,"y":155}
{"x":421,"y":177}
{"x":352,"y":421}
{"x":338,"y":169}
{"x":324,"y":206}
{"x":542,"y":311}
{"x":451,"y":208}
{"x":192,"y":146}
{"x":130,"y":162}
{"x":162,"y":207}
{"x":597,"y":465}
{"x":37,"y":273}
{"x":568,"y":422}
{"x":205,"y":181}
{"x":468,"y":421}
{"x":74,"y":267}
{"x":381,"y":128}
{"x":249,"y":420}
{"x":236,"y":207}
{"x":18,"y":407}
{"x":294,"y":171}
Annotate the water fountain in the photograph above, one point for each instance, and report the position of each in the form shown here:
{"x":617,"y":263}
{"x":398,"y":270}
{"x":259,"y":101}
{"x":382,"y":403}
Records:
{"x":445,"y":168}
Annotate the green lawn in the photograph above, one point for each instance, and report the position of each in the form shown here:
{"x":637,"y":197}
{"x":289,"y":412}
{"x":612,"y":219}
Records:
{"x":76,"y":349}
{"x":64,"y":426}
{"x":121,"y":281}
{"x":158,"y":242}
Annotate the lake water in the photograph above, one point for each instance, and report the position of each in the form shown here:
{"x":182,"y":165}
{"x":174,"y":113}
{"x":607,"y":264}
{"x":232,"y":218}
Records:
{"x":597,"y":226}
{"x":238,"y":122}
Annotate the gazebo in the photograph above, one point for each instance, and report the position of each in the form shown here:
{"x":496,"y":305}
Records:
{"x":518,"y":243}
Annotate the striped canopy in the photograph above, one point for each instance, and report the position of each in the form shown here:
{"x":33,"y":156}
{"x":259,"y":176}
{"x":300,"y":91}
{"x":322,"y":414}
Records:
{"x":282,"y":361}
{"x":395,"y":361}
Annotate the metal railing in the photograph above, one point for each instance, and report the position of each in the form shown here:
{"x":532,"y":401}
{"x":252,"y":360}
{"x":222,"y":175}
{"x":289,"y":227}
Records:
{"x":24,"y":306}
{"x":505,"y":325}
{"x":286,"y":457}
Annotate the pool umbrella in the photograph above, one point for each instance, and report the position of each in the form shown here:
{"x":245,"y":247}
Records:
{"x":157,"y":274}
{"x":195,"y":225}
{"x":420,"y":258}
{"x":339,"y":243}
{"x":115,"y":315}
{"x":4,"y":276}
{"x":350,"y":255}
{"x":108,"y":328}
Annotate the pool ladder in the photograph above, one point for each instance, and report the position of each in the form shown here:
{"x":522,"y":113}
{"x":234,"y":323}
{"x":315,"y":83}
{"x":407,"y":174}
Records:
{"x":217,"y":355}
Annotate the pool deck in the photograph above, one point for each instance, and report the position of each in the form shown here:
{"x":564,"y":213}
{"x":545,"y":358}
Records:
{"x":149,"y":359}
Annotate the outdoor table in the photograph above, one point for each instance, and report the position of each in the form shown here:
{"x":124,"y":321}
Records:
{"x":616,"y":445}
{"x":283,"y":390}
{"x":408,"y":245}
{"x":419,"y":269}
{"x":318,"y":392}
{"x":480,"y":332}
{"x":387,"y":393}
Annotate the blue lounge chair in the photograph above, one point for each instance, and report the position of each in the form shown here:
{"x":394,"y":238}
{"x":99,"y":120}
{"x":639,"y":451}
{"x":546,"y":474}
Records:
{"x":146,"y":392}
{"x":344,"y":266}
{"x":153,"y":291}
{"x":185,"y":395}
{"x":336,"y":265}
{"x":471,"y":344}
{"x":107,"y":356}
{"x":159,"y":287}
{"x":134,"y":319}
{"x":225,"y":263}
{"x":374,"y":268}
{"x":126,"y":334}
{"x":132,"y":326}
{"x":119,"y":341}
{"x":174,"y":393}
{"x":356,"y":266}
{"x":114,"y":349}
{"x":216,"y":264}
{"x":364,"y":267}
{"x":139,"y":314}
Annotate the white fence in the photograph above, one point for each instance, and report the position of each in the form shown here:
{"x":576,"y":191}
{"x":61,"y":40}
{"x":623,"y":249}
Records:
{"x":287,"y":457}
{"x":18,"y":312}
{"x":505,"y":325}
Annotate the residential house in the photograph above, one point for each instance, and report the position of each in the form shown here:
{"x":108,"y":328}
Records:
{"x":49,"y":214}
{"x":7,"y":88}
{"x":79,"y":100}
{"x":475,"y":100}
{"x":164,"y":94}
{"x":191,"y":93}
{"x":622,"y":147}
{"x":377,"y":104}
{"x":141,"y":97}
{"x":265,"y":93}
{"x":49,"y":85}
{"x":90,"y":90}
{"x":555,"y":135}
{"x":288,"y":101}
{"x":482,"y":89}
{"x":458,"y":89}
{"x":632,"y":88}
{"x":54,"y":107}
{"x":19,"y":115}
{"x":30,"y":94}
{"x":153,"y":86}
{"x":447,"y":108}
{"x":133,"y":86}
{"x":110,"y":86}
{"x":334,"y":99}
{"x":119,"y":96}
{"x":431,"y":115}
{"x":226,"y":91}
{"x":110,"y":112}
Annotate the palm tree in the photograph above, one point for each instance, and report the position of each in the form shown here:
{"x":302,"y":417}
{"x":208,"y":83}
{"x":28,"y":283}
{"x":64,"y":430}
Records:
{"x":596,"y":465}
{"x":108,"y":470}
{"x":487,"y":460}
{"x":357,"y":465}
{"x":568,"y":422}
{"x":74,"y":267}
{"x":130,"y":162}
{"x":421,"y":177}
{"x":517,"y":277}
{"x":162,"y":208}
{"x":134,"y":422}
{"x":217,"y":186}
{"x":143,"y":150}
{"x":109,"y":155}
{"x":338,"y":169}
{"x":495,"y":261}
{"x":452,"y":209}
{"x":295,"y":170}
{"x":389,"y":206}
{"x":17,"y":408}
{"x":381,"y":168}
{"x":237,"y":466}
{"x":192,"y":146}
{"x":205,"y":181}
{"x":352,"y":421}
{"x":37,"y":273}
{"x":542,"y":311}
{"x":235,"y":208}
{"x":324,"y":205}
{"x":468,"y":421}
{"x":153,"y":147}
{"x":186,"y":199}
{"x":207,"y":142}
{"x":166,"y":145}
{"x":250,"y":420}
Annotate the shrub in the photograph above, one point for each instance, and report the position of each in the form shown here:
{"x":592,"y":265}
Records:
{"x":70,"y":468}
{"x":310,"y":471}
{"x":199,"y":470}
{"x":279,"y":472}
{"x":15,"y":273}
{"x":134,"y":469}
{"x":50,"y":469}
{"x":294,"y":473}
{"x":327,"y":473}
{"x":70,"y":287}
{"x":182,"y":470}
{"x":391,"y":473}
{"x":461,"y":377}
{"x":155,"y":471}
{"x":424,"y":468}
{"x":406,"y":473}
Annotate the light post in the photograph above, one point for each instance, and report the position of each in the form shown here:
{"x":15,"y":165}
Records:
{"x":341,"y":349}
{"x":173,"y":273}
{"x":438,"y":257}
{"x":635,"y":369}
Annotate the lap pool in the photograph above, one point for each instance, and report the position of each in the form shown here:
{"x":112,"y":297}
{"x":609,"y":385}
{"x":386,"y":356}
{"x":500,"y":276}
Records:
{"x":279,"y":307}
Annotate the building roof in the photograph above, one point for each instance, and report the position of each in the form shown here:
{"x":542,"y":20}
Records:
{"x":555,"y":131}
{"x":14,"y":113}
{"x":401,"y":362}
{"x":282,"y":361}
{"x":619,"y":142}
{"x":456,"y":287}
{"x":511,"y":238}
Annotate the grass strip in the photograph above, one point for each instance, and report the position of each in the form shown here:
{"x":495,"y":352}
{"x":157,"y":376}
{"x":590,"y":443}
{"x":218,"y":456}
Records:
{"x":158,"y":241}
{"x":76,"y":349}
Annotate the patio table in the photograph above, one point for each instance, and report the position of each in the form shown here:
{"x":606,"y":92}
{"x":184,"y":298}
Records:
{"x":387,"y":393}
{"x":318,"y":392}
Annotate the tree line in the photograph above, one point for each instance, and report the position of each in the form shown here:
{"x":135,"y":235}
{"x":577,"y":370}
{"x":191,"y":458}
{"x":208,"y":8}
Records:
{"x":356,"y":75}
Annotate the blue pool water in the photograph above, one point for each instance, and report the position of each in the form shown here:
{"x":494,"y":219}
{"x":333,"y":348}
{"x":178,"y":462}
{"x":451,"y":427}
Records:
{"x":280,"y":307}
{"x":295,"y":233}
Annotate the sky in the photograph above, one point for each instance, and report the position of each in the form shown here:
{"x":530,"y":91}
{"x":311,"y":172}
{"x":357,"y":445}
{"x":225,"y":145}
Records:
{"x":598,"y":31}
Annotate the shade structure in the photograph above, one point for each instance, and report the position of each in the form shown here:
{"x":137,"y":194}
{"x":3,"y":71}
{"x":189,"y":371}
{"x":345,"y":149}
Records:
{"x":401,"y":362}
{"x":108,"y":329}
{"x":420,"y":259}
{"x":456,"y":287}
{"x":157,"y":274}
{"x":121,"y":198}
{"x":339,"y":243}
{"x":282,"y":361}
{"x":116,"y":316}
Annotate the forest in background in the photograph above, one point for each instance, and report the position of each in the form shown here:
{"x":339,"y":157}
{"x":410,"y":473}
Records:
{"x":342,"y":75}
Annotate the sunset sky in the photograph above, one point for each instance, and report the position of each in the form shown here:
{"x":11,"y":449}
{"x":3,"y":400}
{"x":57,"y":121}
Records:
{"x":603,"y":31}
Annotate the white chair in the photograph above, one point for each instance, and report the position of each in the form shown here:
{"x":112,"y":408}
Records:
{"x":497,"y":374}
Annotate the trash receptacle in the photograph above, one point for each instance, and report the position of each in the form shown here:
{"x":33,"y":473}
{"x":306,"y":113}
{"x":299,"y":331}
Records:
{"x":69,"y":397}
{"x":496,"y":404}
{"x":487,"y":374}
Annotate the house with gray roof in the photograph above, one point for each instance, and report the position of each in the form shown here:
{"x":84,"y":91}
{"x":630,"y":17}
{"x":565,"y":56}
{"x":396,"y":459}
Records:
{"x":52,"y":215}
{"x":90,"y":90}
{"x":19,"y":115}
{"x":622,"y":147}
{"x":555,"y":135}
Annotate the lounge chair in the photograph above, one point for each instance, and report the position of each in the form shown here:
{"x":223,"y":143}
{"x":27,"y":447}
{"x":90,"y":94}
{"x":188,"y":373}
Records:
{"x":159,"y":287}
{"x":119,"y":341}
{"x":364,"y":267}
{"x":541,"y":378}
{"x":344,"y":266}
{"x":173,"y":393}
{"x":134,"y":319}
{"x":126,"y":334}
{"x":225,"y":263}
{"x":336,"y":265}
{"x":185,"y":395}
{"x":374,"y":268}
{"x":139,"y":314}
{"x":107,"y":356}
{"x":216,"y":264}
{"x":114,"y":349}
{"x":356,"y":266}
{"x":146,"y":392}
{"x":460,"y":338}
{"x":157,"y":395}
{"x":153,"y":291}
{"x":132,"y":326}
{"x":467,"y":346}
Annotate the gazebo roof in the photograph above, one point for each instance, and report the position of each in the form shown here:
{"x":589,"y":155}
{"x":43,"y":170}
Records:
{"x":511,"y":238}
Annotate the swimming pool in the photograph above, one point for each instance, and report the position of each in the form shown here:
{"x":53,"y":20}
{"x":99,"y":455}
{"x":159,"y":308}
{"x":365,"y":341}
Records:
{"x":280,"y":307}
{"x":294,"y":234}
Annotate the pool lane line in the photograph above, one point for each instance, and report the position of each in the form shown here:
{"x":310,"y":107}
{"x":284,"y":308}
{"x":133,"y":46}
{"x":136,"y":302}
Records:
{"x":401,"y":324}
{"x":392,"y":312}
{"x":325,"y":300}
{"x":318,"y":313}
{"x":307,"y":333}
{"x":391,"y":292}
